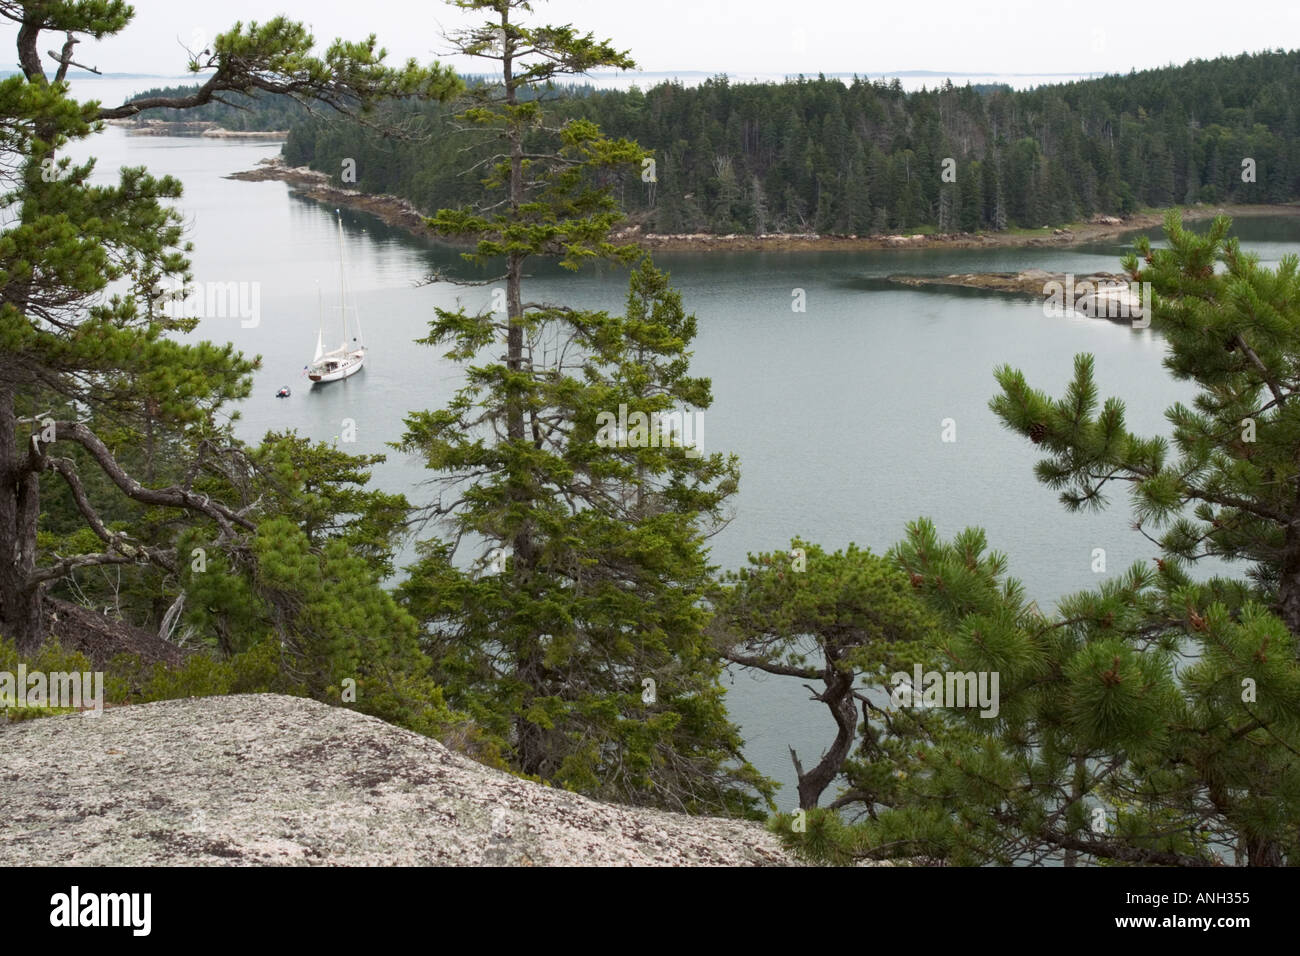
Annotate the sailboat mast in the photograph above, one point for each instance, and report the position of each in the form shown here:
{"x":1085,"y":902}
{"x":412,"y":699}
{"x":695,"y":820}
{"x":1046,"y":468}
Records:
{"x":343,"y":288}
{"x":320,"y":323}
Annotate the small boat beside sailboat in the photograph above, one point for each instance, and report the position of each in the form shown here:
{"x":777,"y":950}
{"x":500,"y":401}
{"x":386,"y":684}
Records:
{"x":348,"y":358}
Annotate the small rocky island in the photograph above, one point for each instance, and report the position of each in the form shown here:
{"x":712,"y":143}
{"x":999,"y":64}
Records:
{"x":1106,"y":295}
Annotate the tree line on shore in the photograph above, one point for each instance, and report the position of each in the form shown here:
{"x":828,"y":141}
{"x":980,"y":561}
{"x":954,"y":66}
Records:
{"x":822,"y":156}
{"x":563,"y":619}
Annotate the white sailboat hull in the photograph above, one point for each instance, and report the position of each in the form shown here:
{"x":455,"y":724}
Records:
{"x":333,"y":366}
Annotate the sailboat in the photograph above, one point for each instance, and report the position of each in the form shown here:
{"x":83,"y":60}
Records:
{"x":348,"y":358}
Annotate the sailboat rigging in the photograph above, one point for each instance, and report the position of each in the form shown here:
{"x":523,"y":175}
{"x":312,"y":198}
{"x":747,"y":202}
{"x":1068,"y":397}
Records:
{"x":348,"y":358}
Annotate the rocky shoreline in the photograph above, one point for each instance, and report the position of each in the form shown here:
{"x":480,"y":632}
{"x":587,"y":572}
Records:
{"x":393,"y":210}
{"x":1098,"y":228}
{"x":399,"y":212}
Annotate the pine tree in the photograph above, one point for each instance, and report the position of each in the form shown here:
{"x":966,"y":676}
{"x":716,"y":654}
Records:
{"x":949,"y":202}
{"x":73,"y":360}
{"x":578,"y":637}
{"x":844,"y":620}
{"x":1234,"y":333}
{"x":1153,"y":720}
{"x":972,"y":198}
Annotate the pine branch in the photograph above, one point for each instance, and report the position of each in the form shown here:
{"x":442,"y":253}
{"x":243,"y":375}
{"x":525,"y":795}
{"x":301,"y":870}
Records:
{"x":170,"y":497}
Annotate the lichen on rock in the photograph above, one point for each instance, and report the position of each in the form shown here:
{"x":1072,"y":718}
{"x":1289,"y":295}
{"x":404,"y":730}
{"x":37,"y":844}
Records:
{"x":265,"y":779}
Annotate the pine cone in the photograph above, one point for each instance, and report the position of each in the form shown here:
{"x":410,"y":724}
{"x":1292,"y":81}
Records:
{"x":1037,"y":432}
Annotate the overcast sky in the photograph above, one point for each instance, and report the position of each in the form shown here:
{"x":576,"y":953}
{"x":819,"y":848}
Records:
{"x":768,"y":36}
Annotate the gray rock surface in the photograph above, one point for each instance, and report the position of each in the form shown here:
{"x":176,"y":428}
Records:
{"x":266,"y":779}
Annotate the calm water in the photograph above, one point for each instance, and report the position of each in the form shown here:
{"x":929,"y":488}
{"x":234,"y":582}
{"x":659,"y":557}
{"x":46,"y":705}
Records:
{"x":835,"y":413}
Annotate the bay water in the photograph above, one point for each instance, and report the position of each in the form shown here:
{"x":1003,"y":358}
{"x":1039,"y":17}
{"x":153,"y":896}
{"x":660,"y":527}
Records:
{"x":837,"y":412}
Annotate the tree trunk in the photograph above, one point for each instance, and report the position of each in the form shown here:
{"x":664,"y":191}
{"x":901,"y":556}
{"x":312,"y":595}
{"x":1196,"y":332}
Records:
{"x":839,"y":697}
{"x":530,"y":739}
{"x":1076,"y":794}
{"x":530,"y":742}
{"x":20,"y":601}
{"x":1261,"y":852}
{"x":1288,"y":593}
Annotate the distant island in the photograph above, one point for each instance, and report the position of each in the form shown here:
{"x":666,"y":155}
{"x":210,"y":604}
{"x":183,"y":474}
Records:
{"x":156,"y":127}
{"x":818,"y":156}
{"x":813,"y":163}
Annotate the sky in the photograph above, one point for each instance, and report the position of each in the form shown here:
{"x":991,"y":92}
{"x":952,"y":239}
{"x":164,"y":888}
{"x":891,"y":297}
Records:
{"x":767,"y":37}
